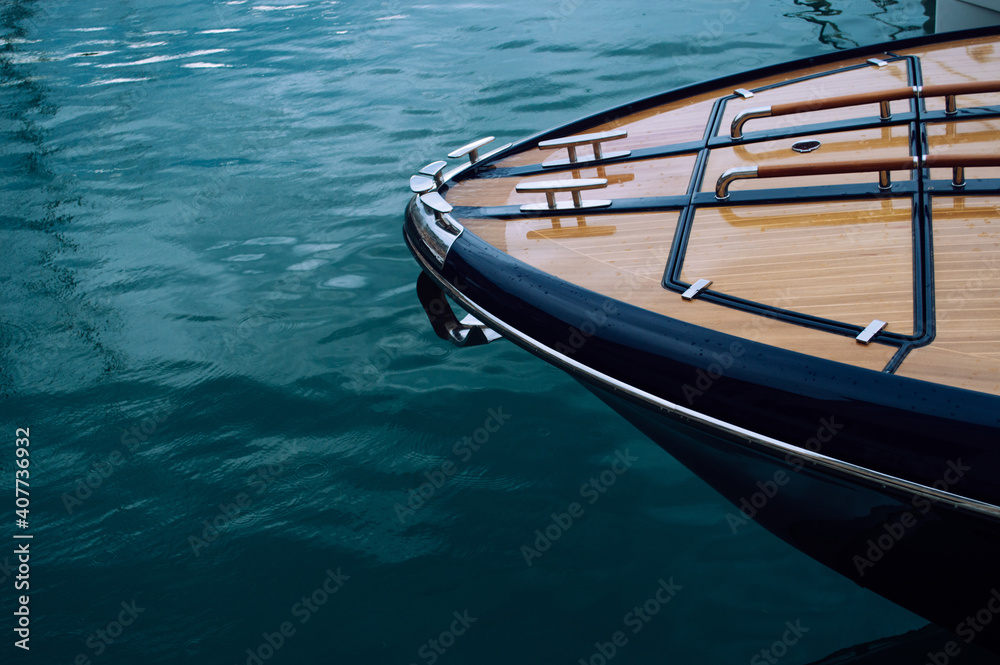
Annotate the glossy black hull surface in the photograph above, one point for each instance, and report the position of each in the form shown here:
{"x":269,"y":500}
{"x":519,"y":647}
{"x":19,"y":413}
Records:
{"x":925,"y":556}
{"x":880,"y":421}
{"x":929,"y":555}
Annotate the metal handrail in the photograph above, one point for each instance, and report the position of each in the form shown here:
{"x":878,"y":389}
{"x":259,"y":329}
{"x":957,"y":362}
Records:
{"x":882,"y":98}
{"x":958,"y":164}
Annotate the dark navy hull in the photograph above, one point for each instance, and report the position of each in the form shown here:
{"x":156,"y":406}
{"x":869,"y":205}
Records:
{"x":883,"y":422}
{"x":925,"y":556}
{"x":924,"y":552}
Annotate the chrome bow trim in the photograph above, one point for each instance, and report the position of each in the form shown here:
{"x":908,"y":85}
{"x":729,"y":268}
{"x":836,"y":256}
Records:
{"x":436,"y":236}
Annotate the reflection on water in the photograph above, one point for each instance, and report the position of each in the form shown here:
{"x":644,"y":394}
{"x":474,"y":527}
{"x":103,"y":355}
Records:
{"x":38,"y":342}
{"x":901,"y":17}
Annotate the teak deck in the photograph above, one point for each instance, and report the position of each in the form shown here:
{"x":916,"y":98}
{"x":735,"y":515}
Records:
{"x":802,"y":262}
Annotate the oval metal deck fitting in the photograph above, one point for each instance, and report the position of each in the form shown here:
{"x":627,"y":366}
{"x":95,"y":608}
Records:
{"x":806,"y":146}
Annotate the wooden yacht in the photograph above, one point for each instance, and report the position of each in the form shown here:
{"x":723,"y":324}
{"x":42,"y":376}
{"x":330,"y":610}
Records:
{"x":789,"y":279}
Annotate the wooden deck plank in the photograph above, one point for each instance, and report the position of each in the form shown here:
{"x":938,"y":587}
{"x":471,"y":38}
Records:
{"x":874,"y":143}
{"x":651,"y":177}
{"x":966,"y":350}
{"x":686,"y":120}
{"x":629,"y":265}
{"x":670,"y":176}
{"x":849,"y":261}
{"x":953,"y":367}
{"x":975,"y":59}
{"x":677,"y":122}
{"x":866,"y":79}
{"x":777,"y":262}
{"x":977,"y":137}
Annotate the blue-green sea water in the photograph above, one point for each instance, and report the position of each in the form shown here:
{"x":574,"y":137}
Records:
{"x":246,"y":444}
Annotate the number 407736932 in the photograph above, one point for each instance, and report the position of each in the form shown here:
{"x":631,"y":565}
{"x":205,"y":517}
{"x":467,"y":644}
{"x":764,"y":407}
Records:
{"x":21,"y":476}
